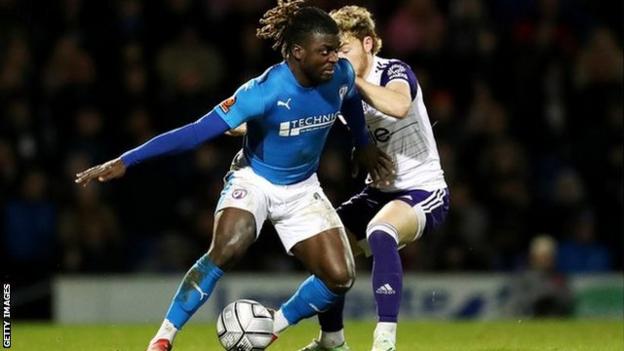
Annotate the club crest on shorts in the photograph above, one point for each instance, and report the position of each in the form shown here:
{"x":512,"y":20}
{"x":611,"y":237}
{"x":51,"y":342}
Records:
{"x":239,"y":193}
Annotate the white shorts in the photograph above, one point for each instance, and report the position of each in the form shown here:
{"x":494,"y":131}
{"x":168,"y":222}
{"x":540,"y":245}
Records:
{"x":298,"y":211}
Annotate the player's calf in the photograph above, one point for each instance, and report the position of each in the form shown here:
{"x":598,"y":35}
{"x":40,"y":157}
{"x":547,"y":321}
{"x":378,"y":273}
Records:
{"x":312,"y":297}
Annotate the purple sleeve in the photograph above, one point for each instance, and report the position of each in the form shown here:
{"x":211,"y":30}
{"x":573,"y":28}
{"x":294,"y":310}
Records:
{"x":400,"y":70}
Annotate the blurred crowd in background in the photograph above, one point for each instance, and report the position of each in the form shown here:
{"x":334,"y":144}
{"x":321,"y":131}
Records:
{"x":526,"y":97}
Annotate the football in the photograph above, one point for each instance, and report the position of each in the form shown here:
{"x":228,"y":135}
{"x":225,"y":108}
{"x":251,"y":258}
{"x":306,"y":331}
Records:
{"x":245,"y":325}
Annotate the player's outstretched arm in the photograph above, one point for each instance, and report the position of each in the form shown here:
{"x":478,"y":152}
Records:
{"x":175,"y":141}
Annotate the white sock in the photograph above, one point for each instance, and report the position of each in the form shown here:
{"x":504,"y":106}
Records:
{"x":167,"y":331}
{"x":387,"y":328}
{"x":279,"y":322}
{"x":331,"y":339}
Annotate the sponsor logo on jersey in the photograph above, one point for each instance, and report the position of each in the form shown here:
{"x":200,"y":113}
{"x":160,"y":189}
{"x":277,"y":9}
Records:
{"x":307,"y":124}
{"x":397,"y":70}
{"x":226,"y":104}
{"x":382,"y":134}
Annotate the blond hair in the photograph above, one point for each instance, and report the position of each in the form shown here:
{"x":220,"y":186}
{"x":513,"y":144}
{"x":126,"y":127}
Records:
{"x":358,"y":22}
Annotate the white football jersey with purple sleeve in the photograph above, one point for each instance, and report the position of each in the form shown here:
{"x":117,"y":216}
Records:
{"x":409,"y":141}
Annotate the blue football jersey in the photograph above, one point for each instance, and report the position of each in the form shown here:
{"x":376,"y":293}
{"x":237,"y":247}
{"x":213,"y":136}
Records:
{"x":287,"y":124}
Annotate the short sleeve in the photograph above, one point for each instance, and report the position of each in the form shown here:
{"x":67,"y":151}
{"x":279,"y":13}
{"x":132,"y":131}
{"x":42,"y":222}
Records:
{"x":246,"y":104}
{"x":398,"y":70}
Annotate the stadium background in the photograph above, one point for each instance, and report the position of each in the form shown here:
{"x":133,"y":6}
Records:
{"x":526,"y":97}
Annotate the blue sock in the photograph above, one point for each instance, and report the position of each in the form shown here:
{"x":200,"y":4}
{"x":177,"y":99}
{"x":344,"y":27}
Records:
{"x":332,"y":320}
{"x":194,"y":290}
{"x":387,"y":275}
{"x":312,"y":297}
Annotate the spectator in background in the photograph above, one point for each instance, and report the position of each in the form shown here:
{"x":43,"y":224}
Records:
{"x":566,"y":200}
{"x":29,"y":243}
{"x":22,"y":130}
{"x":600,"y":61}
{"x":579,"y":251}
{"x":190,"y":66}
{"x":541,"y":291}
{"x":135,"y":76}
{"x":69,"y":66}
{"x":507,"y":192}
{"x":16,"y":70}
{"x":8,"y":168}
{"x":30,"y":224}
{"x":130,"y":21}
{"x":463,"y":244}
{"x":190,"y":72}
{"x":415,"y":26}
{"x":89,"y":234}
{"x":87,"y":133}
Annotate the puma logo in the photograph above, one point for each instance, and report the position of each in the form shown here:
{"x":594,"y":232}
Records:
{"x":196,"y":287}
{"x":316,"y":309}
{"x":284,"y":103}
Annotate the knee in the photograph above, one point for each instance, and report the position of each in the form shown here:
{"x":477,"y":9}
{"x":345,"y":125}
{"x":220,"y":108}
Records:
{"x":339,"y":279}
{"x":226,"y":255}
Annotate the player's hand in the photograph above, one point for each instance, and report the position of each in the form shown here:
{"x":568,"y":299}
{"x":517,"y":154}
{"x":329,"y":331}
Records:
{"x":103,"y":173}
{"x":378,"y":164}
{"x":238,"y":131}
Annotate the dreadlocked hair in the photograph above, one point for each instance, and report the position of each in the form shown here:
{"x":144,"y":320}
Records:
{"x":289,"y":22}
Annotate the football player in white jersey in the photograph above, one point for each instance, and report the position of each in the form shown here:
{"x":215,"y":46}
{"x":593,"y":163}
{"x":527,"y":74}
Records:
{"x":385,"y":217}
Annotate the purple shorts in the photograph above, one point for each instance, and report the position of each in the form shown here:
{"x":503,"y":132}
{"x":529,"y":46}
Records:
{"x":356,"y":212}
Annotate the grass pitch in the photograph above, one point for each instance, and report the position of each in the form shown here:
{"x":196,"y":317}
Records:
{"x":550,"y":335}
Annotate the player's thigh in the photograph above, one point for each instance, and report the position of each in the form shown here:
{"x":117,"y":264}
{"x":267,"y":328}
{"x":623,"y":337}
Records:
{"x":305,"y":213}
{"x":239,"y":215}
{"x":234,"y":231}
{"x":233,"y":227}
{"x":244,"y":190}
{"x":407,"y":220}
{"x":328,"y":256}
{"x":310,"y":229}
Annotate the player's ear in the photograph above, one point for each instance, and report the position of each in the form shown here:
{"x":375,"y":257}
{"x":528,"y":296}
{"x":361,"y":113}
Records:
{"x":297,"y":51}
{"x":367,"y":43}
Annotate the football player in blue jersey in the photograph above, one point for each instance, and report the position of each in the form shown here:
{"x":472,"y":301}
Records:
{"x":288,"y":111}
